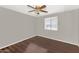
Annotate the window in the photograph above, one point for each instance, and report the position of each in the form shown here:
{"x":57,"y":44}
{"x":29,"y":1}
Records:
{"x":51,"y":23}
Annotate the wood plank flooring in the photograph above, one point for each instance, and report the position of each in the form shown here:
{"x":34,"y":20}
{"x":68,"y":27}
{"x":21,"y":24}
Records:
{"x":52,"y":46}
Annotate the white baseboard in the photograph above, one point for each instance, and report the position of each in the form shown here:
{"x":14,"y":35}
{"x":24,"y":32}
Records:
{"x":17,"y":41}
{"x":34,"y":36}
{"x":59,"y":40}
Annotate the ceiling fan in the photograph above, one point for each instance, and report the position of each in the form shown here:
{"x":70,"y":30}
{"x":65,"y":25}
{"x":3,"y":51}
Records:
{"x":38,"y":8}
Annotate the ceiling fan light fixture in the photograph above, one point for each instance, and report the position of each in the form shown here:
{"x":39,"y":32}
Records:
{"x":38,"y":8}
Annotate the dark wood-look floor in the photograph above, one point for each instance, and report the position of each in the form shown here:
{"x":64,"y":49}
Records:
{"x":52,"y":46}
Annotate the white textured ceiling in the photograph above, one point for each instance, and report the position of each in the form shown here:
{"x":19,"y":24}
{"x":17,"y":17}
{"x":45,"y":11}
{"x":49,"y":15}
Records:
{"x":50,"y":8}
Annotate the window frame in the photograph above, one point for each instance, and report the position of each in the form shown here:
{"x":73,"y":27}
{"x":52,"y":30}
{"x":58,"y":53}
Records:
{"x":52,"y":23}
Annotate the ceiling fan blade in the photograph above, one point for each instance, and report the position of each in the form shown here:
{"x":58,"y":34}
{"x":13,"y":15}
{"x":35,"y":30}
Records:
{"x":30,"y":6}
{"x":42,"y":6}
{"x":44,"y":11}
{"x":31,"y":11}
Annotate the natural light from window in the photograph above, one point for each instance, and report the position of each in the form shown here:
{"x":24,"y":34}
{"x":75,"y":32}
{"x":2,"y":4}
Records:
{"x":51,"y":23}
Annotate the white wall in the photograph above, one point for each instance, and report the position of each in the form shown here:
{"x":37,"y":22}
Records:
{"x":15,"y":26}
{"x":67,"y":27}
